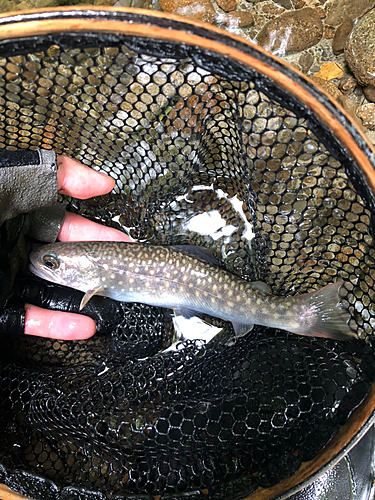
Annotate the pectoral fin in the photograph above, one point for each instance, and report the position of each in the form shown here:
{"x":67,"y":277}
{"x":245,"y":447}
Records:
{"x":87,"y":296}
{"x":241,"y":329}
{"x":187,"y":313}
{"x":261,"y":286}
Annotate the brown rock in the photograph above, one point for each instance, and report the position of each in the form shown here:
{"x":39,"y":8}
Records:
{"x":321,"y":12}
{"x":366,"y":113}
{"x":305,"y":61}
{"x":227,"y":5}
{"x":329,"y":32}
{"x":341,"y":36}
{"x":291,"y":31}
{"x":360,"y":49}
{"x":299,"y":4}
{"x":347,"y":84}
{"x":350,"y":106}
{"x":369,"y":93}
{"x":238,"y":19}
{"x":287,"y":4}
{"x":201,"y":10}
{"x":329,"y":87}
{"x":339,"y":10}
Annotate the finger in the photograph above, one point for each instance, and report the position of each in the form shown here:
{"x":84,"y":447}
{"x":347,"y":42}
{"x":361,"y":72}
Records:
{"x":75,"y":179}
{"x":77,"y":228}
{"x":57,"y":325}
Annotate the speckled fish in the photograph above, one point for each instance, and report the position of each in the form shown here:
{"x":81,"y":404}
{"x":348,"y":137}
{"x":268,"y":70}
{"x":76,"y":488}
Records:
{"x":172,"y":277}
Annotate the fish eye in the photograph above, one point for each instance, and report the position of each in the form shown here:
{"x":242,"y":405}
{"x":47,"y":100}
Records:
{"x":51,"y":261}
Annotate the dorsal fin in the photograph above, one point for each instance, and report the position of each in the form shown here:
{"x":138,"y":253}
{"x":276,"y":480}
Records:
{"x":199,"y":253}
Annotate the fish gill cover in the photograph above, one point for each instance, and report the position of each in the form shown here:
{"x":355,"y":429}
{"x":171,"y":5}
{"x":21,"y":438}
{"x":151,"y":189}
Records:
{"x":117,"y":416}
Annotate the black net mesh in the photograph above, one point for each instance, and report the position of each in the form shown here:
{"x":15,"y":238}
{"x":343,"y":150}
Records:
{"x":116,"y":416}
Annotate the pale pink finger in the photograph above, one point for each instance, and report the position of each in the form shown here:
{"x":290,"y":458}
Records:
{"x":57,"y":325}
{"x":79,"y":181}
{"x":77,"y":228}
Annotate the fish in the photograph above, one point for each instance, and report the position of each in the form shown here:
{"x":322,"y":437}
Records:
{"x":190,"y":281}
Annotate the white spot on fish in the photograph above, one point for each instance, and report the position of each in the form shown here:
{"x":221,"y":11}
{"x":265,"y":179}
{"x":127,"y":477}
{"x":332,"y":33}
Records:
{"x":121,"y":272}
{"x":131,"y":280}
{"x":105,"y":266}
{"x":103,"y":279}
{"x":115,"y":261}
{"x":112,"y":276}
{"x":120,"y":282}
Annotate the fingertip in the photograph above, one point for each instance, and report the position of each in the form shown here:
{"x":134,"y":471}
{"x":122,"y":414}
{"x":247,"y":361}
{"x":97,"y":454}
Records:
{"x":57,"y":324}
{"x":80,"y":181}
{"x":77,"y":228}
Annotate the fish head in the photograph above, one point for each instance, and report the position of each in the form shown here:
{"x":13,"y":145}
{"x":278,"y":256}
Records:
{"x":66,"y":264}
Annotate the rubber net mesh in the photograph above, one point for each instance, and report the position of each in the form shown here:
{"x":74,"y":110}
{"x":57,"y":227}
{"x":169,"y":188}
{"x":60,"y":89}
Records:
{"x":117,"y":416}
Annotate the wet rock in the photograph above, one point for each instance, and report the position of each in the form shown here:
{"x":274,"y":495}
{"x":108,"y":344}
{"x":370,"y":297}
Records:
{"x":202,"y":10}
{"x":360,"y":49}
{"x":305,"y":61}
{"x":299,"y":4}
{"x":237,"y":19}
{"x":339,"y":10}
{"x":287,"y":4}
{"x":341,"y":36}
{"x":347,"y":84}
{"x":366,"y":113}
{"x":329,"y":32}
{"x":330,"y":71}
{"x":328,"y":87}
{"x":291,"y":31}
{"x":369,"y":93}
{"x":227,"y":5}
{"x":350,"y":106}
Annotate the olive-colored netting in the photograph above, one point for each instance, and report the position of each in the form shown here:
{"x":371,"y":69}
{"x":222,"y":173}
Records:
{"x":188,"y":149}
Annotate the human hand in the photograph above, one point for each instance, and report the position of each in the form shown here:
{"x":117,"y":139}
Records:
{"x":76,"y":180}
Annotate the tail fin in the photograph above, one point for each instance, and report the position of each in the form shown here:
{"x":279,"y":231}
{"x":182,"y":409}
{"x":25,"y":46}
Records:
{"x":324,"y":315}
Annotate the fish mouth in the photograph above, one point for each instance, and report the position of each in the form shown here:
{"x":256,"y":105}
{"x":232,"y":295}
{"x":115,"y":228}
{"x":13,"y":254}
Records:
{"x":41,"y":273}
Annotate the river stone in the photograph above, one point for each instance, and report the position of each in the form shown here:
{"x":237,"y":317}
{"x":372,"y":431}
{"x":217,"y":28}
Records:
{"x":369,"y":93}
{"x":339,"y":10}
{"x":305,"y":61}
{"x":287,"y":4}
{"x":329,"y":87}
{"x":360,"y":49}
{"x":291,"y":31}
{"x":366,"y":113}
{"x":341,"y":36}
{"x":237,"y":19}
{"x":227,"y":5}
{"x":347,"y":84}
{"x":201,"y":10}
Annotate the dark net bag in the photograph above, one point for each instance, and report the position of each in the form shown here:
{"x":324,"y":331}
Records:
{"x":189,"y":121}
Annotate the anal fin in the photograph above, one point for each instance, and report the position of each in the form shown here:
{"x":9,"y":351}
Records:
{"x":241,"y":329}
{"x":87,"y":296}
